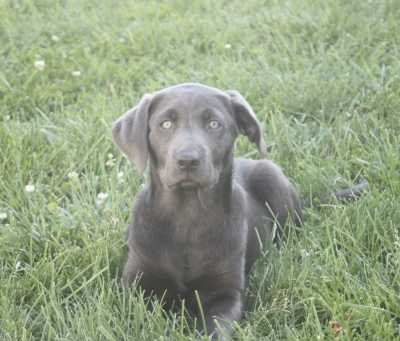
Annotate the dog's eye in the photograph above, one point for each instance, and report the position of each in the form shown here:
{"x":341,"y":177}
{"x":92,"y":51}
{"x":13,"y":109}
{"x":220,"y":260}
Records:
{"x":167,"y":124}
{"x":213,"y":124}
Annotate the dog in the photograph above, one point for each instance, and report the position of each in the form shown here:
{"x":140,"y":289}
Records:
{"x":198,"y":224}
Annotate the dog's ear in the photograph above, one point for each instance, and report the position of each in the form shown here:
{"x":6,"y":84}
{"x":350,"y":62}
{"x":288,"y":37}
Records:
{"x":247,"y":121}
{"x":130,"y":133}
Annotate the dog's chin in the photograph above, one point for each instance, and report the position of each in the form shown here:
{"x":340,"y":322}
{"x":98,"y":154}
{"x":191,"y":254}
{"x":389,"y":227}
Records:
{"x":189,"y":185}
{"x":184,"y":185}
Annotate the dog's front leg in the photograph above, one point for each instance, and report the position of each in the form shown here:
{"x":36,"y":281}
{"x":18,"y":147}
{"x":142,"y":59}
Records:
{"x":221,"y":311}
{"x":131,"y":270}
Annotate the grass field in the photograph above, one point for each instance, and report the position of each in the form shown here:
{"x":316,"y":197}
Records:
{"x":323,"y":77}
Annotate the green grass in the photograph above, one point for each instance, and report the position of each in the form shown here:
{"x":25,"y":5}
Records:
{"x":323,"y":77}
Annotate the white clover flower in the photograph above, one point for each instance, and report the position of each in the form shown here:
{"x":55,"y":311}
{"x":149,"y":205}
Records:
{"x":101,"y":198}
{"x":55,"y":38}
{"x":76,"y":73}
{"x":30,"y":188}
{"x":228,"y":46}
{"x":18,"y":266}
{"x":110,"y":163}
{"x":40,"y":65}
{"x":73,"y":175}
{"x":120,"y":177}
{"x":114,"y":220}
{"x":3,"y":216}
{"x":305,"y":253}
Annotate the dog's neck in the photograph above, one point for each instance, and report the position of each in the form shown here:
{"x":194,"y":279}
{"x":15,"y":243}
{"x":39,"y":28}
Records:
{"x":216,"y":198}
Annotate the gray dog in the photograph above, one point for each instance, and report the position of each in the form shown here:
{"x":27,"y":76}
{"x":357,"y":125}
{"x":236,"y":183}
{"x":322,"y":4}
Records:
{"x":198,"y":224}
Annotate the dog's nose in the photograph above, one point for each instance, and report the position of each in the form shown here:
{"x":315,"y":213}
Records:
{"x":188,"y":160}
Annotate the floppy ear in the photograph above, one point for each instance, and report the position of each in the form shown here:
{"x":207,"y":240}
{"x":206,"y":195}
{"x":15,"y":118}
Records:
{"x":247,"y":121}
{"x":130,"y":133}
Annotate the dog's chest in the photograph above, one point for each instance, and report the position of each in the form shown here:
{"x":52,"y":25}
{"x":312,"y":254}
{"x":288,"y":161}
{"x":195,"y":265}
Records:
{"x":190,"y":242}
{"x":194,"y":244}
{"x":189,"y":247}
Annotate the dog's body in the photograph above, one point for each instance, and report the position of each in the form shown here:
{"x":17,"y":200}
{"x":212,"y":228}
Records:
{"x":198,"y":225}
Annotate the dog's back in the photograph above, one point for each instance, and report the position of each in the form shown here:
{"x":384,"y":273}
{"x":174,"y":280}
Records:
{"x":271,"y":199}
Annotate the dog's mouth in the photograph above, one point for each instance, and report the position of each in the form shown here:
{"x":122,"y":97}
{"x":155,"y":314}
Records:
{"x":189,"y":181}
{"x":185,"y":184}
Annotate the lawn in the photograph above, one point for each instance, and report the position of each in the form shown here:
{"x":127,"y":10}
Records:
{"x":323,"y":77}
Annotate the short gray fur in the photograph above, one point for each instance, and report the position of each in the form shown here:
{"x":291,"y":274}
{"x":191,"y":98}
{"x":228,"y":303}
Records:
{"x":198,"y":224}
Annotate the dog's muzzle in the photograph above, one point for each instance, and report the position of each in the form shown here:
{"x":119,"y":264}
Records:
{"x":188,"y":160}
{"x":188,"y":168}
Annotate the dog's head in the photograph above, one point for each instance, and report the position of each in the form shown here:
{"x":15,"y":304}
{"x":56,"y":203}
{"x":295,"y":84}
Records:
{"x":188,"y":132}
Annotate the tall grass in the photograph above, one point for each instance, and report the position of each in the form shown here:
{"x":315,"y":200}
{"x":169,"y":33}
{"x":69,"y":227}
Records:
{"x":323,"y":77}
